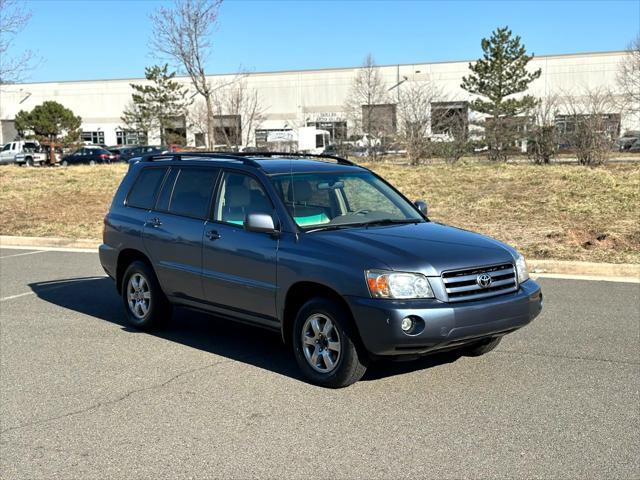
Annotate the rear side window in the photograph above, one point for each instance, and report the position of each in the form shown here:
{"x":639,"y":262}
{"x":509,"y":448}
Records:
{"x":144,"y":191}
{"x":191,"y":192}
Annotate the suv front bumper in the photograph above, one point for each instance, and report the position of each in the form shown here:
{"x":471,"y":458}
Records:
{"x":441,"y":325}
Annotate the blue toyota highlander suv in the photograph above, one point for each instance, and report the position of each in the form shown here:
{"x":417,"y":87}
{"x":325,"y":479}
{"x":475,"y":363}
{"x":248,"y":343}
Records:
{"x":322,"y":250}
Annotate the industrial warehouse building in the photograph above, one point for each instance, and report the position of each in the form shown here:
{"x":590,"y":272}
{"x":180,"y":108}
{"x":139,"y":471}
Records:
{"x":292,"y":99}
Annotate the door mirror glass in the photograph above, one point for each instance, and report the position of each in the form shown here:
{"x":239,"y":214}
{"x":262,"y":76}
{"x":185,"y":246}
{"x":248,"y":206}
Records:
{"x":422,"y":206}
{"x":260,"y":222}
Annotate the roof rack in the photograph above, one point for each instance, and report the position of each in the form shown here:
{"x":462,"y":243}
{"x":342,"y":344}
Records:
{"x":213,"y":155}
{"x":243,"y":157}
{"x":340,"y":160}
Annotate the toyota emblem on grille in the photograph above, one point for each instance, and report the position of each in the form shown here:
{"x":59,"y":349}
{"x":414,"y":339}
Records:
{"x":484,"y":280}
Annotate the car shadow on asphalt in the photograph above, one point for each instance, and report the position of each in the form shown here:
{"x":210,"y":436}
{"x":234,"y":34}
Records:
{"x":97,"y":298}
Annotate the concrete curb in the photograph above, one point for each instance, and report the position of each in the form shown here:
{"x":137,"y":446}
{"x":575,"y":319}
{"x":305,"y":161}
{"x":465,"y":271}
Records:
{"x":48,"y":242}
{"x":537,"y":267}
{"x":626,"y":270}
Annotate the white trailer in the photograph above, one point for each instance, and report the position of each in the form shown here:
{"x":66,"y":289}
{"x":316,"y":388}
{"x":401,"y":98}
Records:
{"x":303,"y":140}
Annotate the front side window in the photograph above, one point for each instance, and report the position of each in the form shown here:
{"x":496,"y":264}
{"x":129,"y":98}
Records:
{"x":342,"y":199}
{"x":238,"y":196}
{"x":144,"y":190}
{"x":6,"y":147}
{"x":191,"y":192}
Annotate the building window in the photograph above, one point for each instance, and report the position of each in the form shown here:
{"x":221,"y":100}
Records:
{"x":200,"y":140}
{"x":96,"y":138}
{"x":227,"y":129}
{"x":379,"y":120}
{"x":450,"y":118}
{"x":131,"y":137}
{"x":607,"y":124}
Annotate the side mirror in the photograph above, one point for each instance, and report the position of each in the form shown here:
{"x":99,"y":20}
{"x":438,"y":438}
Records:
{"x":422,"y":206}
{"x":259,"y":222}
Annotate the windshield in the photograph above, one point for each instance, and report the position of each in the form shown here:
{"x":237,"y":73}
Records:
{"x":326,"y":200}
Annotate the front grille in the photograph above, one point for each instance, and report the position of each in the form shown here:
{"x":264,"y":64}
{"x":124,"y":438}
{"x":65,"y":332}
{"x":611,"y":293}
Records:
{"x":462,"y":285}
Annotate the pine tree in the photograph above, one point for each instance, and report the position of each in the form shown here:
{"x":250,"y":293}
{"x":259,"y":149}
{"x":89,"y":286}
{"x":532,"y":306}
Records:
{"x":52,"y":124}
{"x":497,"y":77}
{"x":156,"y":105}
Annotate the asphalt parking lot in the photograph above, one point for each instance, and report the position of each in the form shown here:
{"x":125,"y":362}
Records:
{"x":84,"y":396}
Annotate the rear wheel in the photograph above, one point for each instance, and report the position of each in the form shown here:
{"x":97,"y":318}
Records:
{"x":64,"y":163}
{"x":325,"y":345}
{"x":92,"y":162}
{"x":481,"y":348}
{"x":145,"y":303}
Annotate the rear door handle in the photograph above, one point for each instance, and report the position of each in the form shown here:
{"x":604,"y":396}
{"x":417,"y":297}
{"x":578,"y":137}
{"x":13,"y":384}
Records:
{"x":213,"y":235}
{"x":154,"y":222}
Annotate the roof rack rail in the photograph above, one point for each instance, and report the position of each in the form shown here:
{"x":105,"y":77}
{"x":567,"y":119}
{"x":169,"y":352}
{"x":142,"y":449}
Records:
{"x":340,"y":160}
{"x":243,"y":157}
{"x":213,"y":155}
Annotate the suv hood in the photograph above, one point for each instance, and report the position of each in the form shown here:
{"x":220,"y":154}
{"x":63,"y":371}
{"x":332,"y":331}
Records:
{"x":429,"y":248}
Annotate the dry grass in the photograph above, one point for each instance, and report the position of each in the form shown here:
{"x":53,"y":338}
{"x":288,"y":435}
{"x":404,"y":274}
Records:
{"x":559,"y":211}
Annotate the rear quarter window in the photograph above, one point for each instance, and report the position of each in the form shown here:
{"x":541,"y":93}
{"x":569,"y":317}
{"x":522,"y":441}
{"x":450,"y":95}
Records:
{"x":145,"y":189}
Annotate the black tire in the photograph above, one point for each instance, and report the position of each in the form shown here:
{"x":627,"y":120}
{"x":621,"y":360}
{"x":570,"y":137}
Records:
{"x":29,"y":162}
{"x":481,"y":348}
{"x":352,"y":361}
{"x":159,"y":308}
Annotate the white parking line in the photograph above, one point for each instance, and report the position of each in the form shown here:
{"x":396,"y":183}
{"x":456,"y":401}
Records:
{"x":21,"y":254}
{"x":51,"y":286}
{"x":49,"y":249}
{"x":11,"y":297}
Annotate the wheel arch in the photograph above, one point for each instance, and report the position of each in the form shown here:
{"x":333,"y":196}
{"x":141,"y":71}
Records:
{"x":125,"y":258}
{"x":301,"y":292}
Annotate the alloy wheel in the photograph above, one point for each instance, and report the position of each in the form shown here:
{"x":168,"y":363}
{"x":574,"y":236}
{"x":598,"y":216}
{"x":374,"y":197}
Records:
{"x":321,"y":343}
{"x":138,"y":296}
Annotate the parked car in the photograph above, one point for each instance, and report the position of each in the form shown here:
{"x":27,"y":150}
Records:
{"x":627,"y":140}
{"x":635,"y":147}
{"x":322,"y":251}
{"x":11,"y":150}
{"x":88,"y":155}
{"x":128,"y":152}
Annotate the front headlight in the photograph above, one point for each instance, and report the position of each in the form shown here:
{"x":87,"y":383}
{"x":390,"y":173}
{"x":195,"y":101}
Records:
{"x":521,"y":269}
{"x":383,"y":284}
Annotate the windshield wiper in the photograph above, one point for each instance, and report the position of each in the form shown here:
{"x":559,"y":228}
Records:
{"x":324,"y":228}
{"x":389,"y":221}
{"x":383,"y":221}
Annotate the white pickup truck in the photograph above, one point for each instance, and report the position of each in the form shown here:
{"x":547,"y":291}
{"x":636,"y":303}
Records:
{"x":24,"y":152}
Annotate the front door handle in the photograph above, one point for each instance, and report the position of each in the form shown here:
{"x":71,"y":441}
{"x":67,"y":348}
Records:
{"x":213,"y":235}
{"x":154,"y":222}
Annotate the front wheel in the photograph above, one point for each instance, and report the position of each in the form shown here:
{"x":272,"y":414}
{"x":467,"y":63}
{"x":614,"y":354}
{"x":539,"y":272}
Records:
{"x":325,"y":345}
{"x":145,"y":303}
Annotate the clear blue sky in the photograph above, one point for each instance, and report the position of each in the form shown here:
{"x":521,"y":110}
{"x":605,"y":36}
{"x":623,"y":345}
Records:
{"x":96,"y":39}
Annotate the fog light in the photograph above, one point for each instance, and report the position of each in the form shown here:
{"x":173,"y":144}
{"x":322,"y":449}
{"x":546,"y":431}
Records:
{"x":407,"y":324}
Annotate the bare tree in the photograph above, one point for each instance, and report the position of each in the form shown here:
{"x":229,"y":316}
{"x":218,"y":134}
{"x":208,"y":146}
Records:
{"x":542,"y":146}
{"x":241,"y":108}
{"x":590,"y":127}
{"x":629,"y":78}
{"x":197,"y":118}
{"x":368,"y":90}
{"x":182,"y":33}
{"x":13,"y":19}
{"x":414,"y":116}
